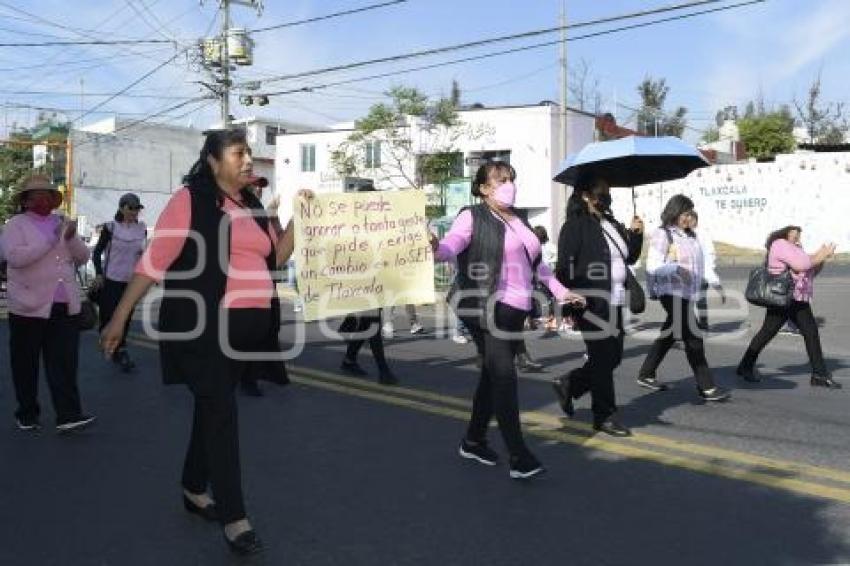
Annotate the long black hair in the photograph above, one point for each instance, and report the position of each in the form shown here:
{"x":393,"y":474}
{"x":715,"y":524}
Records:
{"x":200,"y":175}
{"x":675,"y":207}
{"x":781,"y":234}
{"x":576,"y":205}
{"x":484,"y":172}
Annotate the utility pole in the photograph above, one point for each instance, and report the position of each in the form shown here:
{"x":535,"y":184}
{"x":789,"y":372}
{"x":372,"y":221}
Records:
{"x":225,"y":63}
{"x":564,"y":79}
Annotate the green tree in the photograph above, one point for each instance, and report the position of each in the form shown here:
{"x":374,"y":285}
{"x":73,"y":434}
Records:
{"x":768,"y":133}
{"x":15,"y":164}
{"x":652,"y":118}
{"x":408,"y":141}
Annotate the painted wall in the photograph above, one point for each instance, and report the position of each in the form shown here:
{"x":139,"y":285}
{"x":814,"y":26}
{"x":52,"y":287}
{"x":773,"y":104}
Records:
{"x":741,"y":204}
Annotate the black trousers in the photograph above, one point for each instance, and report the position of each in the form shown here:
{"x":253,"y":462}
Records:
{"x":110,"y":296}
{"x":801,"y":314}
{"x":680,"y":324}
{"x":497,"y":387}
{"x":702,"y":307}
{"x":212,"y":458}
{"x":57,"y":341}
{"x":364,"y":326}
{"x":604,"y":353}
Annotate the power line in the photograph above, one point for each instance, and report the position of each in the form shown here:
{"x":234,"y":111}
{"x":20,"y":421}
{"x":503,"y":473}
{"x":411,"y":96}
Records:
{"x":328,"y":16}
{"x":514,"y":50}
{"x":482,"y":42}
{"x":132,"y":84}
{"x":69,"y":93}
{"x":89,"y":42}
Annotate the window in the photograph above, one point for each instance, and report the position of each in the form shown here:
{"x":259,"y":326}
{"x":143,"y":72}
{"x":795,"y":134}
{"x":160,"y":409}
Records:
{"x":308,"y":157}
{"x":271,"y":134}
{"x":373,"y":154}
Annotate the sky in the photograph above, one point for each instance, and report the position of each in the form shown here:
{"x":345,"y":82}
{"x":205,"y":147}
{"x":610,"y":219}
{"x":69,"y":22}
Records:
{"x":775,"y":48}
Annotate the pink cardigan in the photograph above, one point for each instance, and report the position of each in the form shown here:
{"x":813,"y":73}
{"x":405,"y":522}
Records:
{"x":36,"y":265}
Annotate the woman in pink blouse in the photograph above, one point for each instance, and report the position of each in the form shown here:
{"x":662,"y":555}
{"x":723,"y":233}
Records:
{"x":785,"y":253}
{"x":214,"y":250}
{"x":43,"y":251}
{"x":498,"y":255}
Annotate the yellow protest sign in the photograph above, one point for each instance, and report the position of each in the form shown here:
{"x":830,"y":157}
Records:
{"x":361,"y":251}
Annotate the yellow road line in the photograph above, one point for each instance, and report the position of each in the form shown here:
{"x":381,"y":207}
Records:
{"x":540,"y":426}
{"x":780,"y":467}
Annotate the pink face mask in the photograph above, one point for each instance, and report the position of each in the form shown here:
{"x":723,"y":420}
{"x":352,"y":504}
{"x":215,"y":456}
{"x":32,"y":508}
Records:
{"x":505,"y":194}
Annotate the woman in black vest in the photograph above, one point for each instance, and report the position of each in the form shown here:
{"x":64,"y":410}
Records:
{"x":218,"y":304}
{"x":594,"y":252}
{"x":497,"y":257}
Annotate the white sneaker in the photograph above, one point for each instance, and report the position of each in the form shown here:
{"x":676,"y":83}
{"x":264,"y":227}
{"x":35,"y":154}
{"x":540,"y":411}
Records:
{"x":388,"y":330}
{"x":416,"y":328}
{"x":460,"y":339}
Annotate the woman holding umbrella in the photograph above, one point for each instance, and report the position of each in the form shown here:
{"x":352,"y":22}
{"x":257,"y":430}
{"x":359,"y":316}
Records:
{"x":594,"y":251}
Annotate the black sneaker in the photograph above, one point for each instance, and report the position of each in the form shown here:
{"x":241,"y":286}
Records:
{"x":525,"y":467}
{"x":28,"y":423}
{"x":524,"y":362}
{"x":749,"y":374}
{"x":352,"y":367}
{"x":651,"y":382}
{"x":716,"y":393}
{"x":479,"y":452}
{"x":78,"y":423}
{"x":824,"y":380}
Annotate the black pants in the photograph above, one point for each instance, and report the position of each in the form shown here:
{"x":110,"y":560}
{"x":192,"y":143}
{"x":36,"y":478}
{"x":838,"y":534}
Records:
{"x":497,"y":387}
{"x":56,"y":340}
{"x":212,"y":458}
{"x":680,"y":324}
{"x":604,"y":354}
{"x":702,"y":308}
{"x":364,"y":326}
{"x":110,"y":296}
{"x":801,"y":314}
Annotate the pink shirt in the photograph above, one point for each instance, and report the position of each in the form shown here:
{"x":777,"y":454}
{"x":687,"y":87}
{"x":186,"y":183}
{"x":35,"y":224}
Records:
{"x":249,"y":284}
{"x":124,"y":249}
{"x":47,"y":226}
{"x":514,"y":287}
{"x":784,"y":255}
{"x":41,"y":266}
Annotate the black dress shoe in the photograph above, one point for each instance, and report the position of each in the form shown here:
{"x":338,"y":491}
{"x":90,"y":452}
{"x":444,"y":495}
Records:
{"x":612,"y":427}
{"x":825,"y":381}
{"x":209,"y":512}
{"x":749,"y":374}
{"x":251,"y":388}
{"x":245,"y":544}
{"x":561,"y":385}
{"x":352,"y":367}
{"x":387,"y":377}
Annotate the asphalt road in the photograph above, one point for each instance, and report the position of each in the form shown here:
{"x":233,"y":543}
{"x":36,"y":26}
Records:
{"x":342,"y":471}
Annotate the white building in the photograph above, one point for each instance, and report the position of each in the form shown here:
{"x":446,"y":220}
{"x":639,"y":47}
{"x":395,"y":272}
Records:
{"x":741,"y":204}
{"x":112,"y":157}
{"x":526,"y":136}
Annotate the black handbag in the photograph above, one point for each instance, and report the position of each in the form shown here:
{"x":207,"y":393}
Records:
{"x":770,"y":291}
{"x":88,"y":317}
{"x":636,"y":296}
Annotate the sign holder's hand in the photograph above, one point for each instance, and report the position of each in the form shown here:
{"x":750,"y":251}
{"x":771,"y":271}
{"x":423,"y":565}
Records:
{"x":637,"y":225}
{"x":574,"y":299}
